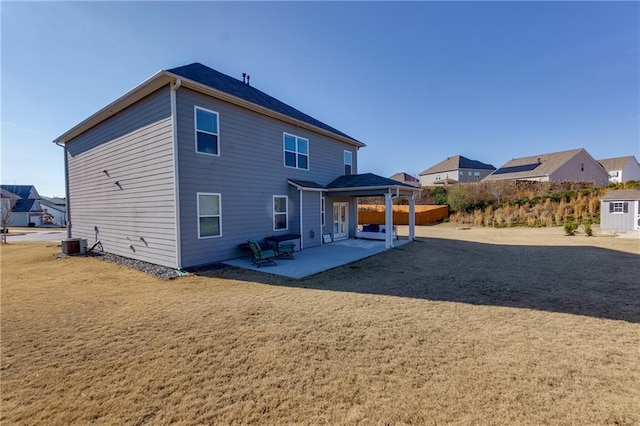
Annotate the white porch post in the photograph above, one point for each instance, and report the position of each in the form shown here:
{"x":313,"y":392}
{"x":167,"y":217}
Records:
{"x":301,"y":229}
{"x":388,"y":222}
{"x":412,"y":217}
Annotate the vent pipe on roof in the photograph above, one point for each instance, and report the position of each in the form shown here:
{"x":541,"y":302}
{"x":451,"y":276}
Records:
{"x":244,"y":77}
{"x":248,"y":77}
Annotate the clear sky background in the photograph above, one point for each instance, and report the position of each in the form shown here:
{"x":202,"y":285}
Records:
{"x":416,"y":81}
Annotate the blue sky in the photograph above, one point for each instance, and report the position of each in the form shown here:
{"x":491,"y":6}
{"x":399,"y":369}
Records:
{"x":416,"y":81}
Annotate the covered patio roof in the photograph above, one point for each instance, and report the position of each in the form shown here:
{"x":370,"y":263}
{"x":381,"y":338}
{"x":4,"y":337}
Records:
{"x":367,"y":185}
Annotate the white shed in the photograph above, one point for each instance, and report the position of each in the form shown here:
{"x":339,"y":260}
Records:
{"x":620,"y":210}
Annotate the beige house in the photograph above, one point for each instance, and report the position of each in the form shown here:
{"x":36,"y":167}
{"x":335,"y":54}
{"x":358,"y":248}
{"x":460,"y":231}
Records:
{"x":575,"y":165}
{"x":621,"y":169}
{"x":456,"y":169}
{"x":405,"y":178}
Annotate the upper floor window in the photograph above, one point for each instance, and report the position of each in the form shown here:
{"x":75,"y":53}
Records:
{"x":296,"y":152}
{"x":280,"y":212}
{"x":207,"y":135}
{"x":209,"y":215}
{"x":476,"y":174}
{"x":618,"y":207}
{"x":348,"y":162}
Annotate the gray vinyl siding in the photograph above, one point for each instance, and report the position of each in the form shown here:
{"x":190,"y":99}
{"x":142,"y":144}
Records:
{"x":135,"y":148}
{"x":618,"y":221}
{"x":248,"y":173}
{"x":311,"y":231}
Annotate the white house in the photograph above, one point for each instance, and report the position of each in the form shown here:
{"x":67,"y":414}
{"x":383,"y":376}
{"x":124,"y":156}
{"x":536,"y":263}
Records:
{"x":621,"y":169}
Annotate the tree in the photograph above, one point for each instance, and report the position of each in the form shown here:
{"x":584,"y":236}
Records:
{"x":6,"y":208}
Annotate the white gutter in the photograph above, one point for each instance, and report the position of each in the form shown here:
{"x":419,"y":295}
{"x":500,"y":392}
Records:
{"x":373,"y":188}
{"x":176,"y":188}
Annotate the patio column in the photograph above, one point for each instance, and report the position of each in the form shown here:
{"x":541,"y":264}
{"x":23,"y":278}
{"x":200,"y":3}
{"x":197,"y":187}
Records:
{"x":388,"y":222}
{"x":412,"y":217}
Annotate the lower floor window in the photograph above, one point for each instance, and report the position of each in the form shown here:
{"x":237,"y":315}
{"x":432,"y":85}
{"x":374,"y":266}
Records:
{"x":280,"y":214}
{"x":209,"y":215}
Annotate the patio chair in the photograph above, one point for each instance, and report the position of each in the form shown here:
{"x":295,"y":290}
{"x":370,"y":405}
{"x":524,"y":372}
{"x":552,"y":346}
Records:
{"x":262,"y":257}
{"x":286,"y":249}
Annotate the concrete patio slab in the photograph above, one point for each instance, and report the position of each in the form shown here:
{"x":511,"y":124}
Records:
{"x":319,"y":259}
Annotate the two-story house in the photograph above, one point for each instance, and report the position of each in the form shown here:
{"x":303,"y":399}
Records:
{"x":456,"y":169}
{"x":191,"y":163}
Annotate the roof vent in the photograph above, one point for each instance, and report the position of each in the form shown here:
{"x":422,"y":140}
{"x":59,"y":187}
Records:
{"x":245,"y":78}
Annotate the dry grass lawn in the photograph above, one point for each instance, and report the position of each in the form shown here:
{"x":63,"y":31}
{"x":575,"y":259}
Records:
{"x":460,"y":327}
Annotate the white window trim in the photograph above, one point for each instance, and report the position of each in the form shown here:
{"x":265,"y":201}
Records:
{"x":195,"y":130}
{"x":286,"y":212}
{"x":198,"y":216}
{"x":621,"y":203}
{"x":344,"y":160}
{"x":285,"y":150}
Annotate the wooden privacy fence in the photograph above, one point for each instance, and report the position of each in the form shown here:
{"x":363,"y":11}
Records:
{"x":374,"y":214}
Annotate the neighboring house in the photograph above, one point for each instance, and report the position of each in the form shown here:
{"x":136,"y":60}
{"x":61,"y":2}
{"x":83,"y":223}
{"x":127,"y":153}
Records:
{"x":620,"y":210}
{"x":456,"y":169}
{"x":55,"y":208}
{"x":27,"y":207}
{"x":621,"y":169}
{"x":576,"y":165}
{"x":191,"y":163}
{"x":405,"y":178}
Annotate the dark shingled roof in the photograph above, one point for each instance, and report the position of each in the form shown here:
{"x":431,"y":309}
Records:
{"x":307,"y":184}
{"x":21,"y":191}
{"x":217,"y":80}
{"x":25,"y":205}
{"x":365,"y":180}
{"x":455,"y":163}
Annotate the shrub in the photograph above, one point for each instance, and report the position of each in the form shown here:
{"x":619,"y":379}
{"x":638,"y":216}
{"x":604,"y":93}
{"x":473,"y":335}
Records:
{"x":458,"y":198}
{"x":570,"y":227}
{"x":586,"y":226}
{"x":439,"y":194}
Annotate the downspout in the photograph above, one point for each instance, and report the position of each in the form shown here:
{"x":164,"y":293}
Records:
{"x":301,"y":230}
{"x":66,"y":189}
{"x":325,"y":213}
{"x":176,"y":189}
